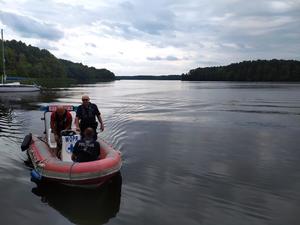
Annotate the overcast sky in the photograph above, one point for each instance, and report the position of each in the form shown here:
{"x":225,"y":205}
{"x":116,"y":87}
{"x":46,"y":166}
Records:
{"x":156,"y":36}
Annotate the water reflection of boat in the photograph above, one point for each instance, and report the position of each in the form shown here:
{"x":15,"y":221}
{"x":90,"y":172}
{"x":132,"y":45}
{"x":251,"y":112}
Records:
{"x":83,"y":206}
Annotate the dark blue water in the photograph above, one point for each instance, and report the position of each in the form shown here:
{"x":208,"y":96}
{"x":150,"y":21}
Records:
{"x":194,"y":153}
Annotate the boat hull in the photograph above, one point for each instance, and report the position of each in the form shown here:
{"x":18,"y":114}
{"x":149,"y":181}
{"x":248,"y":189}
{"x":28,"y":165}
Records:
{"x":18,"y":88}
{"x":86,"y":174}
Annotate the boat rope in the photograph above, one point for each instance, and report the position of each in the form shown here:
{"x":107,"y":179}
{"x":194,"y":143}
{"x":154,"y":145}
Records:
{"x":70,"y":172}
{"x":46,"y":159}
{"x":42,"y":139}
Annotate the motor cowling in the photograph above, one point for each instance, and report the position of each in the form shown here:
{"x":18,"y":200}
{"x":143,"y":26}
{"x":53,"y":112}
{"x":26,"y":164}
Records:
{"x":26,"y":142}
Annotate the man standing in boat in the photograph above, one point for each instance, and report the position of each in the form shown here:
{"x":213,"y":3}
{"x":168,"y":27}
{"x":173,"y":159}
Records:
{"x":86,"y":116}
{"x":61,"y":119}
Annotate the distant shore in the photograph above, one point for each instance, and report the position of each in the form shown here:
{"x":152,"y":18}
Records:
{"x":259,"y":70}
{"x":250,"y":71}
{"x":41,"y":67}
{"x":149,"y":77}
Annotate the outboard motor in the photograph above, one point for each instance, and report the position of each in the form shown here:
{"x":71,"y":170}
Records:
{"x":69,"y":138}
{"x":26,"y":142}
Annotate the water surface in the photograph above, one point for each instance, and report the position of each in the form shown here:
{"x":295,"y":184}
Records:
{"x":193,"y":152}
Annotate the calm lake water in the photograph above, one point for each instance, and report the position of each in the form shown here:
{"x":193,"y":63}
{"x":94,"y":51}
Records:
{"x":194,"y":153}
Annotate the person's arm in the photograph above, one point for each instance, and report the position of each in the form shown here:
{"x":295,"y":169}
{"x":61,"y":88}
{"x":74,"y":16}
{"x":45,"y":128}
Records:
{"x":78,"y":112}
{"x":73,"y":157}
{"x":69,"y":121}
{"x":98,"y":115}
{"x":52,"y":123}
{"x":77,"y":123}
{"x":101,"y":122}
{"x":74,"y":153}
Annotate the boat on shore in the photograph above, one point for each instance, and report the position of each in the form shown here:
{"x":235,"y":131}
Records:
{"x":15,"y":86}
{"x":48,"y":167}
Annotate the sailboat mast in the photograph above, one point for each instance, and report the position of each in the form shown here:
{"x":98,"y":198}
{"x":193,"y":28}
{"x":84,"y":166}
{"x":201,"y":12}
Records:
{"x":3,"y":76}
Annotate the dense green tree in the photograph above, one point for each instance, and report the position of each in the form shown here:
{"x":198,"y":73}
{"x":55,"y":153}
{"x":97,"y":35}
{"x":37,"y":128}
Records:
{"x":259,"y":70}
{"x":31,"y":62}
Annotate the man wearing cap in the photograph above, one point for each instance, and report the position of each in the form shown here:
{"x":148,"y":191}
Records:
{"x":86,"y":116}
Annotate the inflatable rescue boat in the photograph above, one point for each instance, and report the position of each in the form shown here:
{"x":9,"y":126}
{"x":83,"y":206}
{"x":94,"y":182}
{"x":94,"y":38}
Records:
{"x":47,"y":166}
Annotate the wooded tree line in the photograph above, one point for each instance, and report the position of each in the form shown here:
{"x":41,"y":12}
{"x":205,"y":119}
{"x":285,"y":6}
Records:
{"x":149,"y":77}
{"x":32,"y":62}
{"x":259,"y":70}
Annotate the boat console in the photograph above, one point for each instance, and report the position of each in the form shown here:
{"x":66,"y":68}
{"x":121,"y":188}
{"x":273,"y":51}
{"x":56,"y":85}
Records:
{"x":69,"y":137}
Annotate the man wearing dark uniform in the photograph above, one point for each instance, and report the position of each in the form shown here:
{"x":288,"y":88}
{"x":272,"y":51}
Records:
{"x":86,"y":149}
{"x":86,"y":116}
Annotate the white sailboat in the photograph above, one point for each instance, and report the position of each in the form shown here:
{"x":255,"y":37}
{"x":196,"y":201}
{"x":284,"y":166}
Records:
{"x":15,"y":86}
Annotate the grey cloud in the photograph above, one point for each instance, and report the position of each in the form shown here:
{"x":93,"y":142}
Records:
{"x":168,"y":58}
{"x":118,"y":29}
{"x":45,"y":44}
{"x":29,"y":27}
{"x":214,"y":31}
{"x":243,"y":30}
{"x":91,"y":45}
{"x":56,"y":12}
{"x":155,"y":22}
{"x":207,"y":63}
{"x":66,"y":56}
{"x":136,"y":20}
{"x":156,"y":58}
{"x":171,"y":58}
{"x":262,"y":8}
{"x":127,"y":5}
{"x":153,"y":27}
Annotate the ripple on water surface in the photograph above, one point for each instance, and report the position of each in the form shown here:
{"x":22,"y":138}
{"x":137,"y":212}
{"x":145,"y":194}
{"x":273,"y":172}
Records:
{"x":193,"y":153}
